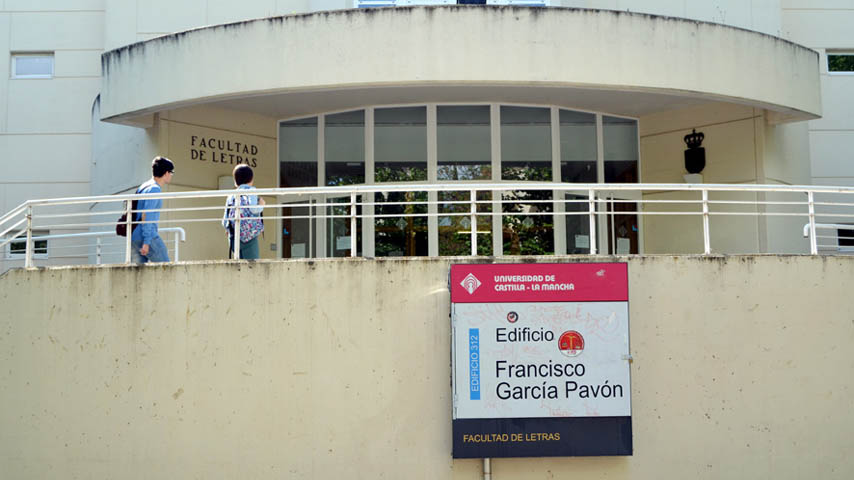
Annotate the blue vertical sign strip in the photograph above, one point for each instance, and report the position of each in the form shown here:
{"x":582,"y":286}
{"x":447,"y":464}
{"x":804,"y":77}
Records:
{"x":474,"y":363}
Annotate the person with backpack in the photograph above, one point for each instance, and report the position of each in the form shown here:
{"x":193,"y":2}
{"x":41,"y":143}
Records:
{"x":146,"y":244}
{"x":251,"y":223}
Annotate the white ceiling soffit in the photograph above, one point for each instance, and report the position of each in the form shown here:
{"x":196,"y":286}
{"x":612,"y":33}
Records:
{"x":615,"y":62}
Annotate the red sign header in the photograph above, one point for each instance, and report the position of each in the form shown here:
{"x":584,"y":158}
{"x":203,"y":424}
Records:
{"x":539,"y":282}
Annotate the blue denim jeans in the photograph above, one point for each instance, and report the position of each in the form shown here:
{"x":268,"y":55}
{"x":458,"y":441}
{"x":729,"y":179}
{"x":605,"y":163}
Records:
{"x":248,"y":251}
{"x":157,"y":251}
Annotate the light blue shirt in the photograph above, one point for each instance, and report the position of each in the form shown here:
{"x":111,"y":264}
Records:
{"x":147,"y":232}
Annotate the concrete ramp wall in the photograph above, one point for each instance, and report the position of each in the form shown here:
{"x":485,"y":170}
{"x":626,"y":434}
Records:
{"x":341,"y":368}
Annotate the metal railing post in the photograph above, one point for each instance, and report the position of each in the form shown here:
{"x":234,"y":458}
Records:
{"x":707,"y":245}
{"x":473,"y":211}
{"x":129,"y":217}
{"x":813,"y":239}
{"x":177,"y":242}
{"x":98,"y":251}
{"x":28,"y":250}
{"x":592,"y":205}
{"x":236,"y":254}
{"x":353,"y":238}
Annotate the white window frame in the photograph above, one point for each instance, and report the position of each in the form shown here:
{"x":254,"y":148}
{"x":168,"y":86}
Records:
{"x":432,"y":160}
{"x":10,"y":255}
{"x":16,"y":56}
{"x":846,"y":53}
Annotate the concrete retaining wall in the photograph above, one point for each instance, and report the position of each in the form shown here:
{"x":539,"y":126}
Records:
{"x":341,"y":368}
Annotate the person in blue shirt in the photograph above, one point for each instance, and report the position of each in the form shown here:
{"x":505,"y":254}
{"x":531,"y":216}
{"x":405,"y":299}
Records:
{"x":251,"y":223}
{"x":146,"y":244}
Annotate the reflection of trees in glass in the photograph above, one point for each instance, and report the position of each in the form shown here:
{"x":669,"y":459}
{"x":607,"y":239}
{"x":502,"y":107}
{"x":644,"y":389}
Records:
{"x":464,"y":172}
{"x":344,"y":177}
{"x":401,"y":236}
{"x":527,"y":234}
{"x":840,"y":63}
{"x":452,"y":240}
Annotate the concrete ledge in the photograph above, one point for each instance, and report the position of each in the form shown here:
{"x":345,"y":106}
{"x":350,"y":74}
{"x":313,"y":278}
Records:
{"x":570,"y":50}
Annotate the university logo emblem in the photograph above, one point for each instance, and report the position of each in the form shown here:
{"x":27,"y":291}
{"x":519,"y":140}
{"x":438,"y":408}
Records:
{"x":571,"y":343}
{"x":470,"y":283}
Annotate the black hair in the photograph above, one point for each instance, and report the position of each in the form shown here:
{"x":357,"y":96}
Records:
{"x":242,"y":174}
{"x":161,"y":165}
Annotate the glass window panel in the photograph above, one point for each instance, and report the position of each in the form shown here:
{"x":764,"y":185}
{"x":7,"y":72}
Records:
{"x":400,"y":144}
{"x":345,"y":148}
{"x":464,"y":143}
{"x":338,"y":228}
{"x":298,"y":231}
{"x":577,"y":147}
{"x":840,"y":62}
{"x":33,"y":66}
{"x":19,"y":247}
{"x":401,"y":236}
{"x":526,"y":147}
{"x":620,"y":136}
{"x":455,"y":230}
{"x":529,"y":227}
{"x":298,"y":153}
{"x":577,"y":224}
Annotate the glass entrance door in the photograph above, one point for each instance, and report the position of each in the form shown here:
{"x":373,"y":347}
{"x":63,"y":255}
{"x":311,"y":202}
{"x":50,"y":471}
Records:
{"x":339,"y":227}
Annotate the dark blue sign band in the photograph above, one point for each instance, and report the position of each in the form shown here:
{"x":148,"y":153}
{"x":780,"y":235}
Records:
{"x":542,"y":437}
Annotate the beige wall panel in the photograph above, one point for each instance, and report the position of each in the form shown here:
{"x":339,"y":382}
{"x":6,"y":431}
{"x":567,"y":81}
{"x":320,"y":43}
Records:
{"x":837,"y":98}
{"x":252,"y":371}
{"x":57,"y":31}
{"x":202,"y":155}
{"x":51,"y":106}
{"x":785,"y":233}
{"x":819,"y":28}
{"x":222,"y":119}
{"x":54,"y":5}
{"x":228,"y":11}
{"x":832,"y":154}
{"x":693,"y":117}
{"x":730,"y":155}
{"x":46,"y":158}
{"x":77,"y":63}
{"x":182,"y":15}
{"x":667,"y":234}
{"x":786,"y":153}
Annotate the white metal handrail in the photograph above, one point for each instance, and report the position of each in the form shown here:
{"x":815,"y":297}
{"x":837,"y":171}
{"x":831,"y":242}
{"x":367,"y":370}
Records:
{"x":180,"y":235}
{"x":359,"y":202}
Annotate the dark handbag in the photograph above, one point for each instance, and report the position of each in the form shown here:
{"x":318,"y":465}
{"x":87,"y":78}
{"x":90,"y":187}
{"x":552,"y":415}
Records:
{"x":122,"y":223}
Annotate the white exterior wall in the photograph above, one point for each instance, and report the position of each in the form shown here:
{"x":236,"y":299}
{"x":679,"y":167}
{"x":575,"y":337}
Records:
{"x":827,"y":25}
{"x":45,"y":124}
{"x":759,"y":15}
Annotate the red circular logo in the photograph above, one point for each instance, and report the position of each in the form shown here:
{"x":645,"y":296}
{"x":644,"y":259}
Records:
{"x":570,"y":343}
{"x":512,"y":317}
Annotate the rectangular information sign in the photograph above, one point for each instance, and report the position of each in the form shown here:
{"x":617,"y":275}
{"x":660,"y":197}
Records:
{"x":540,"y":360}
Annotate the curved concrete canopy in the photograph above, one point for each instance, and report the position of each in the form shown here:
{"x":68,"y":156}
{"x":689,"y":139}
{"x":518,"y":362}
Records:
{"x":615,"y":62}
